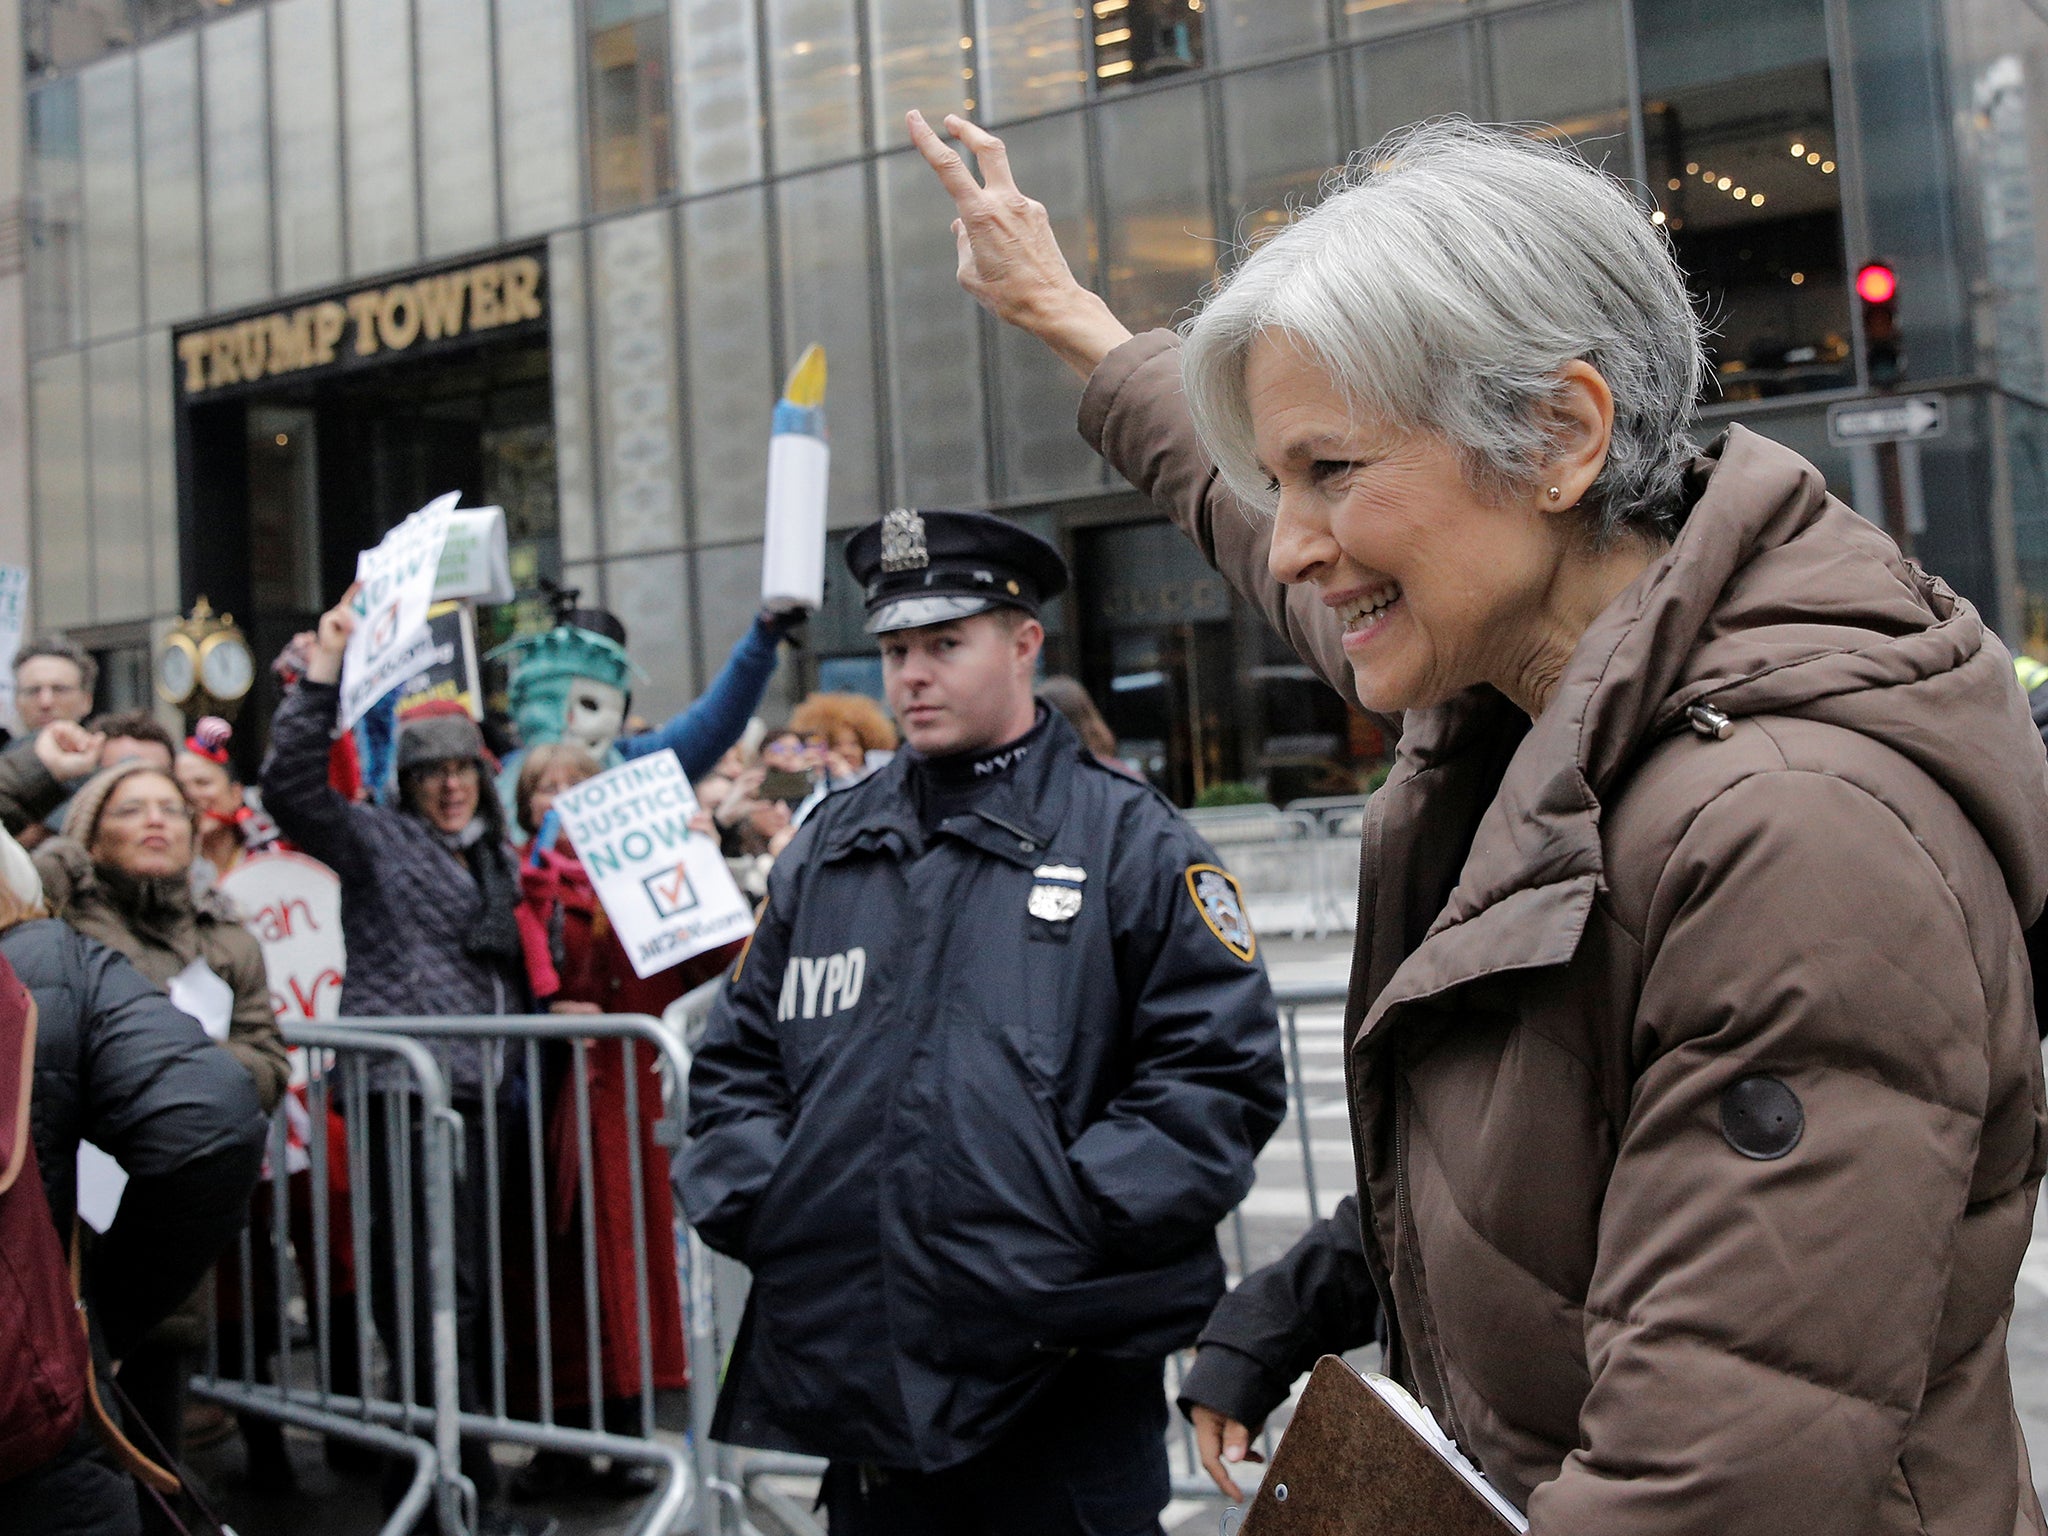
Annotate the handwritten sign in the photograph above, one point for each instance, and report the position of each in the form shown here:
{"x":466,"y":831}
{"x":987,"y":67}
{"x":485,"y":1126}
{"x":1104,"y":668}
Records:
{"x":665,"y":888}
{"x":293,"y":906}
{"x":395,"y":587}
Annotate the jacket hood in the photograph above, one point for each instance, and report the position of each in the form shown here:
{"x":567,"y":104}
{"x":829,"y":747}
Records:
{"x":1774,"y":599}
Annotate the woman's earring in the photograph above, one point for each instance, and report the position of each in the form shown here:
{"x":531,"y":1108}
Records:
{"x":1554,"y":494}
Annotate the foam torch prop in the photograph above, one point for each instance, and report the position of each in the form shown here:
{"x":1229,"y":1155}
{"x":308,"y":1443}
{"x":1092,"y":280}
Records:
{"x":799,"y":460}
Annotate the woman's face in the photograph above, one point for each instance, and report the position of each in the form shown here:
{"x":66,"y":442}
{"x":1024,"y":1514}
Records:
{"x":1438,"y":585}
{"x":559,"y":776}
{"x":447,"y":793}
{"x":207,"y":785}
{"x":145,"y":829}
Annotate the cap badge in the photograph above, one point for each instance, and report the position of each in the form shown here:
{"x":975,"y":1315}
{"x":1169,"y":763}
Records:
{"x":903,"y":546}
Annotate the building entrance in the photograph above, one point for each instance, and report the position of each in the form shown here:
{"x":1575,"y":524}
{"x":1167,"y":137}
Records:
{"x":285,"y":480}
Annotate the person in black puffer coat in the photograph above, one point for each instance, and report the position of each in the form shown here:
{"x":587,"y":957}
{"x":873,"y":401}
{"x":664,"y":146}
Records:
{"x":119,"y":1065}
{"x":428,"y":895}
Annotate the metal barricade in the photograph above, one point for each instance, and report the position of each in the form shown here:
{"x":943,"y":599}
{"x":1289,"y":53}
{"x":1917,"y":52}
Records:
{"x":1273,"y":854}
{"x":510,"y":1255}
{"x":1304,"y":1171}
{"x":339,"y":1062}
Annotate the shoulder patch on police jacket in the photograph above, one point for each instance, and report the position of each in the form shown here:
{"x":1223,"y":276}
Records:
{"x":1219,"y":899}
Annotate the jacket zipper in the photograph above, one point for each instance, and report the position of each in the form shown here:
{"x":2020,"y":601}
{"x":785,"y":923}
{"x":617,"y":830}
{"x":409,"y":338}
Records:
{"x":1414,"y":1251}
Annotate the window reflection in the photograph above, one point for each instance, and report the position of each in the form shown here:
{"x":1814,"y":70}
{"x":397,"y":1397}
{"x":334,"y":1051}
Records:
{"x":1037,"y":394}
{"x":1280,"y":133}
{"x":631,"y":159}
{"x":827,"y":288}
{"x":815,"y":78}
{"x":1566,"y":67}
{"x":1739,"y":126}
{"x":921,"y":59}
{"x":717,"y":94}
{"x":1362,"y":18}
{"x":725,"y":311}
{"x":1242,"y":30}
{"x":934,"y":344}
{"x":1406,"y":79}
{"x":60,"y":34}
{"x":1031,"y":55}
{"x":1140,"y":40}
{"x":1156,"y":177}
{"x":55,"y":280}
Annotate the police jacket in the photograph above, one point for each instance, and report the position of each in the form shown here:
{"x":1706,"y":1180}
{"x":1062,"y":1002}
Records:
{"x":970,"y":1105}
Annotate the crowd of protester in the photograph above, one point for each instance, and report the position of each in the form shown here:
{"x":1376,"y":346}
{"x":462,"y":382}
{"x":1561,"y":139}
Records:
{"x":118,"y":835}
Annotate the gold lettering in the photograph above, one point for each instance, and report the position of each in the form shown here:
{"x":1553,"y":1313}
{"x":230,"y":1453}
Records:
{"x":192,"y":351}
{"x":252,"y":348}
{"x":291,"y":341}
{"x":522,"y":289}
{"x":362,"y":309}
{"x":221,"y":356}
{"x":441,"y":303}
{"x":486,"y":305}
{"x":328,"y":319}
{"x":399,"y":324}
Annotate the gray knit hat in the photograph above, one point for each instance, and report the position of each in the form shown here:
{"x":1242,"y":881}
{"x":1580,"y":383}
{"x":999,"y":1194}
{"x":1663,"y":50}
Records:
{"x":436,"y":737}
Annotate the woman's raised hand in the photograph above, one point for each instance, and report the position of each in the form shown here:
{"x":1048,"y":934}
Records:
{"x":1009,"y":259}
{"x":323,"y":665}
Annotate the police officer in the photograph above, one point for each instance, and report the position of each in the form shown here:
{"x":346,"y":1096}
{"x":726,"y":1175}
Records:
{"x":998,"y":1060}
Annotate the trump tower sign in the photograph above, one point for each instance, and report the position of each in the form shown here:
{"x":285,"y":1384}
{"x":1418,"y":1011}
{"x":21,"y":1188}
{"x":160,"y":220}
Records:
{"x":665,"y":888}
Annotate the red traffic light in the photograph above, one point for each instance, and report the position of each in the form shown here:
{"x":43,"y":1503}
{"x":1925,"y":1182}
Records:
{"x":1876,"y":283}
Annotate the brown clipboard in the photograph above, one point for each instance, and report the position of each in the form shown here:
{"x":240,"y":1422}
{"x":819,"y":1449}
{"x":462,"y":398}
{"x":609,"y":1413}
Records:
{"x":1350,"y":1465}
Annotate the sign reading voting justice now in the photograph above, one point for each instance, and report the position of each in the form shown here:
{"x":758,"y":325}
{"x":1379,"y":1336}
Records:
{"x":666,"y":889}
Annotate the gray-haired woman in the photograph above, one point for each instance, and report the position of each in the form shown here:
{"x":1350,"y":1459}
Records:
{"x":1694,"y":1080}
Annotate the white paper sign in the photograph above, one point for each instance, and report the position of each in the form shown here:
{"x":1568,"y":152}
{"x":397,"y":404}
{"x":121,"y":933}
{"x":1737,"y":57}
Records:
{"x":198,"y":992}
{"x":13,"y":616}
{"x":396,"y":588}
{"x":476,"y":562}
{"x":100,"y":1182}
{"x":793,"y":557}
{"x":293,"y":906}
{"x":665,"y":888}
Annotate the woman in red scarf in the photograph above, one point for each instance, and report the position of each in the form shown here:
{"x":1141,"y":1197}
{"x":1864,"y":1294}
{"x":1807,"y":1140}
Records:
{"x":578,"y":966}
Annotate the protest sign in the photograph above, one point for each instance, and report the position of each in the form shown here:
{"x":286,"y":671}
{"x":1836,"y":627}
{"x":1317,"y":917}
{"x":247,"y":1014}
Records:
{"x":395,"y":587}
{"x":451,"y":671}
{"x":293,"y":906}
{"x":665,"y":888}
{"x":13,"y":616}
{"x":476,"y":562}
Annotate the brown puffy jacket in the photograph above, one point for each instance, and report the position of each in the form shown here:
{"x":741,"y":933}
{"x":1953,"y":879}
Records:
{"x":1694,"y":1081}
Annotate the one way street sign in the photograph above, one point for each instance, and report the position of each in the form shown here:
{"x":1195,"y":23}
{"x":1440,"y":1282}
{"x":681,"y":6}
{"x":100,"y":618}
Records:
{"x":1905,"y":419}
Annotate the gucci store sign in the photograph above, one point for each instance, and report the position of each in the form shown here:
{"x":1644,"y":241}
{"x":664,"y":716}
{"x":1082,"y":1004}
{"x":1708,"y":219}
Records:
{"x":370,"y":323}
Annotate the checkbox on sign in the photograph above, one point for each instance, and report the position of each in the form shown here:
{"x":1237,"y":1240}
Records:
{"x":670,"y":891}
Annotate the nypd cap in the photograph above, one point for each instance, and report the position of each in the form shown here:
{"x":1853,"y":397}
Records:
{"x":919,"y":568}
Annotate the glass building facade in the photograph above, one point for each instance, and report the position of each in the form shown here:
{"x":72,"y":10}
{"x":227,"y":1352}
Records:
{"x":705,"y":187}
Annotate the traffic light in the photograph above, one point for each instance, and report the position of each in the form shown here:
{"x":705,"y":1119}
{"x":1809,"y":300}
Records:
{"x":1877,"y":295}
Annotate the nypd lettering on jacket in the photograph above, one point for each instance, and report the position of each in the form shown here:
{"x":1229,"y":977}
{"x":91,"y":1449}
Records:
{"x":818,"y":988}
{"x":976,"y":1100}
